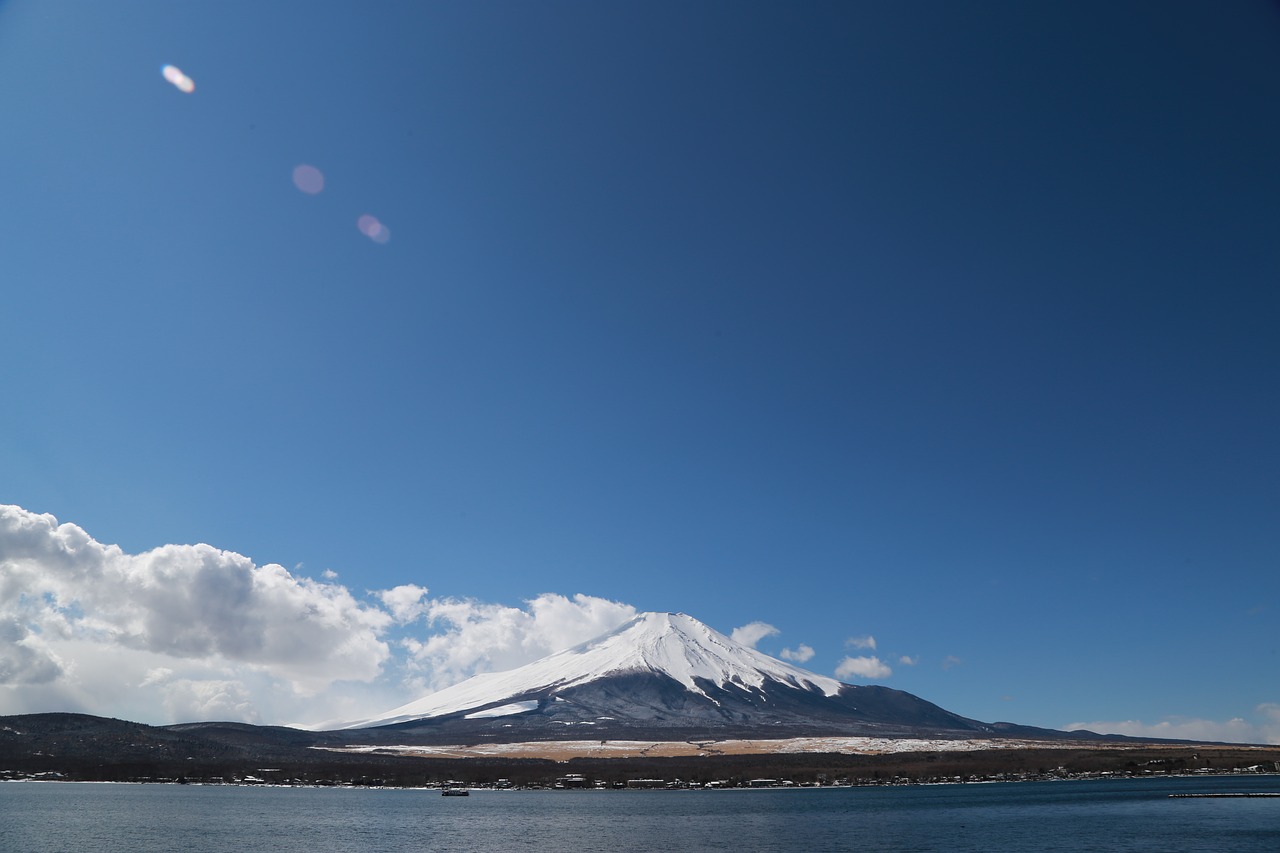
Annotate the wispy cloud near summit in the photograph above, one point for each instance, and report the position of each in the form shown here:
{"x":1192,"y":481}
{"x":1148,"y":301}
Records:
{"x":752,"y":633}
{"x":863,"y":667}
{"x":800,"y":654}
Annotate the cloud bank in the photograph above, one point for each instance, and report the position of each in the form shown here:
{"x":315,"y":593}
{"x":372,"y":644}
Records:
{"x":1262,"y":727}
{"x":186,"y":632}
{"x":190,"y":602}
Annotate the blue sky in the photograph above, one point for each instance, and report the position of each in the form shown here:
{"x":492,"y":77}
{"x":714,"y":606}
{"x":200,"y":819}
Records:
{"x":950,"y":325}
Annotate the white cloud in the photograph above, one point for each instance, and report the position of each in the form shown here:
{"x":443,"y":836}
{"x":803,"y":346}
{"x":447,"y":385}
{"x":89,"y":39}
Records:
{"x":110,"y":680}
{"x":1263,"y":726}
{"x":406,"y":602}
{"x":752,"y":633}
{"x":908,"y":660}
{"x":24,"y":657}
{"x":482,"y":637}
{"x":159,"y":675}
{"x":867,"y":642}
{"x":800,"y":654}
{"x":190,"y":602}
{"x":862,"y":667}
{"x":951,"y":660}
{"x":191,"y":700}
{"x":176,"y":632}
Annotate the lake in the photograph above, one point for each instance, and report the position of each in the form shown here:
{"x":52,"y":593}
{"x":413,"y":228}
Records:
{"x":1111,"y":815}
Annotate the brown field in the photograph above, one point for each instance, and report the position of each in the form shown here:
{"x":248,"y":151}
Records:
{"x":629,"y":749}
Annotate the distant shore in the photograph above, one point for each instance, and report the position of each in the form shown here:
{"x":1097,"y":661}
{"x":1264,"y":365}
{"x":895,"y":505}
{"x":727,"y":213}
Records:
{"x":755,"y":784}
{"x":75,"y":747}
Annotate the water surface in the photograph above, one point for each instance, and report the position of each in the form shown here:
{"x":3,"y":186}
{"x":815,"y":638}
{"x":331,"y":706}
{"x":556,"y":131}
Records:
{"x":1119,"y":815}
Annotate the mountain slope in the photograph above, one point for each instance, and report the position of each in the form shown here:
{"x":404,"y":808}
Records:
{"x":666,"y":674}
{"x":672,"y":644}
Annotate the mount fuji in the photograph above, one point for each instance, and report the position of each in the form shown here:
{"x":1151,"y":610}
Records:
{"x":667,"y":676}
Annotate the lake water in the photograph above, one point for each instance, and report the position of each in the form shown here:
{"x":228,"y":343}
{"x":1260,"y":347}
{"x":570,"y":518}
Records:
{"x":1119,"y":815}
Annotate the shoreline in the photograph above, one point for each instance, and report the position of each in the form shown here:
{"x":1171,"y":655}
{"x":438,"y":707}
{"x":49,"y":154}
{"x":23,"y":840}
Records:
{"x":515,"y":789}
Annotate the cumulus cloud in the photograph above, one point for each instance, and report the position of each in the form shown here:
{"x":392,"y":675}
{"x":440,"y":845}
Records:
{"x":752,"y":633}
{"x":176,"y":633}
{"x":908,"y":660}
{"x":183,"y":601}
{"x":406,"y":602}
{"x":206,"y":699}
{"x":862,"y":667}
{"x":483,"y":637}
{"x":800,"y":654}
{"x":158,"y":675}
{"x":951,"y":660}
{"x":1262,"y":726}
{"x":189,"y":632}
{"x":867,"y":642}
{"x":24,"y":657}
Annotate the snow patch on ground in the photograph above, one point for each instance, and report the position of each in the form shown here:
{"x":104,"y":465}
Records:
{"x":566,"y":749}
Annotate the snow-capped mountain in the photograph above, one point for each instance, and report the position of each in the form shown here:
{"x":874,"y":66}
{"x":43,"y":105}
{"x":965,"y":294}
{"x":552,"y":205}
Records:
{"x":667,"y":672}
{"x":669,"y":644}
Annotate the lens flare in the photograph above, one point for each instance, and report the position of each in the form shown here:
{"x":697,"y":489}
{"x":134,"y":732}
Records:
{"x":309,"y":179}
{"x":175,"y":76}
{"x":373,"y":229}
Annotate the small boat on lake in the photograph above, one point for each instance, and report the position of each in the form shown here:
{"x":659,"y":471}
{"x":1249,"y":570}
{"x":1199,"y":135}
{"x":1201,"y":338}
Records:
{"x":454,"y":790}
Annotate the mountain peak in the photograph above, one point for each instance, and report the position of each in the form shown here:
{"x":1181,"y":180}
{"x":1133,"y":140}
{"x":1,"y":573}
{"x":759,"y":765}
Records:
{"x":682,"y":648}
{"x":660,"y":620}
{"x":675,"y":646}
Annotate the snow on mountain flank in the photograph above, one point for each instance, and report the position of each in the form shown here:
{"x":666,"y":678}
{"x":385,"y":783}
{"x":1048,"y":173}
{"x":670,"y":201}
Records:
{"x":670,"y":644}
{"x":503,"y":710}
